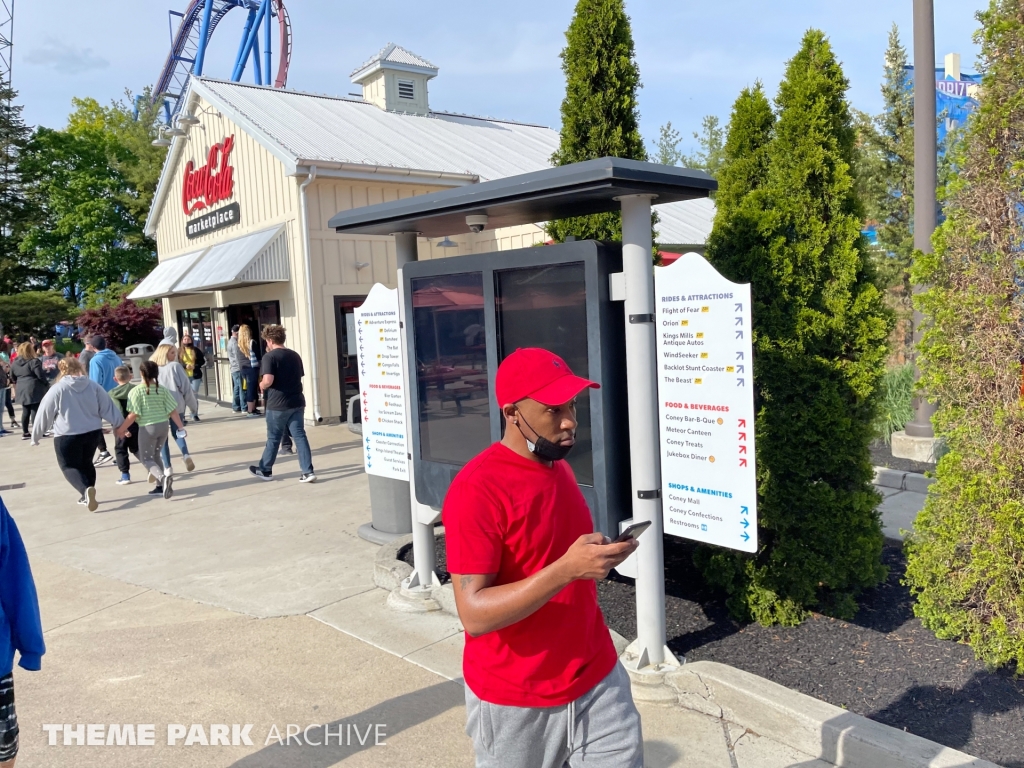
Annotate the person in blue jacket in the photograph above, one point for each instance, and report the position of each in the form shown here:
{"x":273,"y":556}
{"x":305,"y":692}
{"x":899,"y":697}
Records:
{"x":20,"y":628}
{"x":101,"y":370}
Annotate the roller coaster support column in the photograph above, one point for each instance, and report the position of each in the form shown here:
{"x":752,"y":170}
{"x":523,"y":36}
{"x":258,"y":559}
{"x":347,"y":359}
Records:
{"x":268,"y":17}
{"x":257,"y":71}
{"x":250,"y":39}
{"x":204,"y":34}
{"x":240,"y":56}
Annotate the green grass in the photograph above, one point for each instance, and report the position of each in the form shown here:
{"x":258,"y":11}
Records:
{"x":897,"y":394}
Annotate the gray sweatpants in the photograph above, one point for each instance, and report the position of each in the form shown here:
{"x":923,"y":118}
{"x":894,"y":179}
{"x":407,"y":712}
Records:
{"x":601,"y":729}
{"x":151,"y":439}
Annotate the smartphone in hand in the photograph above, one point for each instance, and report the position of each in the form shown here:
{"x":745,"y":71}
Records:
{"x":633,"y":531}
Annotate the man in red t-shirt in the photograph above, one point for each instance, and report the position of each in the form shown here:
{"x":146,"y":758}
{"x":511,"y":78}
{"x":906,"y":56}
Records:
{"x":543,"y":686}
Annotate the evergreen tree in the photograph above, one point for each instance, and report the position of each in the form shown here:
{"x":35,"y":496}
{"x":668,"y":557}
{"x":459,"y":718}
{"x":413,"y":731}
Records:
{"x":885,"y":180}
{"x":965,"y":559}
{"x":599,"y":112}
{"x":789,"y":223}
{"x":15,"y":214}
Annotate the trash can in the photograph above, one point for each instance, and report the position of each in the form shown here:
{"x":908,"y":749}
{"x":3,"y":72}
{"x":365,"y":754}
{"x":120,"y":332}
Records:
{"x":136,"y":355}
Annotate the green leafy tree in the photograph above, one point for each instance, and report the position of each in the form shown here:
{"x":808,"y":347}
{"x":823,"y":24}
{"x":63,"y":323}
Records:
{"x":33,"y":313}
{"x":965,"y":559}
{"x":91,"y":186}
{"x":15,"y":213}
{"x":789,"y":222}
{"x":666,"y":148}
{"x":599,"y":112}
{"x":710,"y":154}
{"x":884,"y":165}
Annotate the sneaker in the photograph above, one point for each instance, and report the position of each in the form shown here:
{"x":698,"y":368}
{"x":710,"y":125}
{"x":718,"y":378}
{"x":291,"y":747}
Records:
{"x":233,"y":410}
{"x":3,"y":431}
{"x":195,"y":417}
{"x":168,"y":492}
{"x":257,"y":472}
{"x":90,"y":496}
{"x":310,"y":478}
{"x":126,"y":479}
{"x":82,"y":502}
{"x":14,"y":424}
{"x":157,"y":490}
{"x":103,"y":458}
{"x":252,"y":415}
{"x":26,"y":436}
{"x":189,"y":464}
{"x":289,"y":449}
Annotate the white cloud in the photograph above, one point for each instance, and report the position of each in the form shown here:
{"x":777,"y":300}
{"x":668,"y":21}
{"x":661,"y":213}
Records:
{"x":65,"y":58}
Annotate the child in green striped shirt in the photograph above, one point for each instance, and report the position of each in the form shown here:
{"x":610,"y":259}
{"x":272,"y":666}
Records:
{"x":150,"y":405}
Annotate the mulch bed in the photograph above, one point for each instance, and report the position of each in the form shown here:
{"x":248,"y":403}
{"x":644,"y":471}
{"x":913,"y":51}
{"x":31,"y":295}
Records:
{"x":883,"y":664}
{"x":881,"y":456}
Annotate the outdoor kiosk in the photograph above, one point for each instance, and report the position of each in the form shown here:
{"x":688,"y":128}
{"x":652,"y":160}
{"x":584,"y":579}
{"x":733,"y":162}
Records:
{"x":595,"y":186}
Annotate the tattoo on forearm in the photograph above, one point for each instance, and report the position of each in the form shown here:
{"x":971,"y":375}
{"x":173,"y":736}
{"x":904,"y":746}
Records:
{"x":465,"y":581}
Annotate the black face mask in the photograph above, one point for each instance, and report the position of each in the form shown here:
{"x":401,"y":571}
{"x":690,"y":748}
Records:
{"x":543,"y":448}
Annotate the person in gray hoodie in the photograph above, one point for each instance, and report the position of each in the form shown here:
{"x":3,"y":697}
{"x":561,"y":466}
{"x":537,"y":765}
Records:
{"x":75,"y":408}
{"x":174,"y":378}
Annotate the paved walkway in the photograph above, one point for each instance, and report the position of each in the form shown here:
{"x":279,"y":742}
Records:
{"x":243,"y":602}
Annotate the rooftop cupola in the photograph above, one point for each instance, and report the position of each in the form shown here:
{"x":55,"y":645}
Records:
{"x":396,"y":79}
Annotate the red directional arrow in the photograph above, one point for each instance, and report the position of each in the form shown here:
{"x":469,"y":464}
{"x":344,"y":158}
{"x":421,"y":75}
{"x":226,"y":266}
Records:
{"x":743,"y":422}
{"x":743,"y":435}
{"x":743,"y":462}
{"x":743,"y":449}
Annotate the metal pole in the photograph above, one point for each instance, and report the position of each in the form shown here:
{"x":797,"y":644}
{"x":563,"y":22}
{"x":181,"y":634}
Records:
{"x":257,"y":70}
{"x":925,"y":175}
{"x":204,"y":33}
{"x":236,"y":75}
{"x":644,"y":451}
{"x":424,"y":546}
{"x":267,"y":19}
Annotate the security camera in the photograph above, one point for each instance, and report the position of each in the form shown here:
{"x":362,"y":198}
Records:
{"x":477,"y":223}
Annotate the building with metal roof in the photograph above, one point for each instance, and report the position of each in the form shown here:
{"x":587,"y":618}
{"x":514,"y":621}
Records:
{"x":241,"y":211}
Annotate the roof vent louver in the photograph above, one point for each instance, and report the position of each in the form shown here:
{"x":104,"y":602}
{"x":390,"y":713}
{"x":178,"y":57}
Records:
{"x":406,"y":89}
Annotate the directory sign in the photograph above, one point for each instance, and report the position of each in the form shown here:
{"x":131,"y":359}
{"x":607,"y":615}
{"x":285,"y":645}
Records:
{"x":382,"y":384}
{"x":705,"y":405}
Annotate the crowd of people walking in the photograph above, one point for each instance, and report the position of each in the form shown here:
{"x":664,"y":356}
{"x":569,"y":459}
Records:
{"x":71,"y":399}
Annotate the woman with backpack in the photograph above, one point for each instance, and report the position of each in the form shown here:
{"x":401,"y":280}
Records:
{"x":30,"y":384}
{"x":151,"y":406}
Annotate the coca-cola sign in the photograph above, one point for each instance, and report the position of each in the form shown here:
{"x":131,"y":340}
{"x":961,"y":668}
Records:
{"x":215,"y":181}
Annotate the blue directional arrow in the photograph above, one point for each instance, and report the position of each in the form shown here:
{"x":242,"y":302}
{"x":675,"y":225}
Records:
{"x":745,"y":536}
{"x":740,"y":369}
{"x":741,"y":383}
{"x":739,"y":321}
{"x":745,"y":523}
{"x":739,"y":334}
{"x":739,"y":307}
{"x":744,"y":511}
{"x":739,"y":355}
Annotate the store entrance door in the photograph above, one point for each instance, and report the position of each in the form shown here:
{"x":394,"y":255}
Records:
{"x":348,"y":368}
{"x":256,"y":316}
{"x":198,"y":323}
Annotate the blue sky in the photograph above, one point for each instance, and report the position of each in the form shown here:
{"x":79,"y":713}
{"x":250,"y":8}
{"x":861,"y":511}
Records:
{"x":498,"y":59}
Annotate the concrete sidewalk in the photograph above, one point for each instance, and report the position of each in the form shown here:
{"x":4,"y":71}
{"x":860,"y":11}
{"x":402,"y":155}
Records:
{"x":904,"y":494}
{"x":244,"y":602}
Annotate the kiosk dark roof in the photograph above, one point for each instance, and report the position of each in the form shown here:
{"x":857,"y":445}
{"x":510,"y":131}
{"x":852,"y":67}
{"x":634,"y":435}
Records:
{"x":554,"y":193}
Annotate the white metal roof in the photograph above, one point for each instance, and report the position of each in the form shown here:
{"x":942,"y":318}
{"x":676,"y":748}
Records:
{"x":310,"y":128}
{"x":685,"y":223}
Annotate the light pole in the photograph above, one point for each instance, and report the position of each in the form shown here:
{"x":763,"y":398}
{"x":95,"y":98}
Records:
{"x":925,"y":176}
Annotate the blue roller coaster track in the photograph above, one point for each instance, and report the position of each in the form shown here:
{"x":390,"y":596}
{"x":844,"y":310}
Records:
{"x":195,"y":28}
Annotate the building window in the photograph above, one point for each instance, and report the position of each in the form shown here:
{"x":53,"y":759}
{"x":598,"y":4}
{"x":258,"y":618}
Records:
{"x":406,"y":89}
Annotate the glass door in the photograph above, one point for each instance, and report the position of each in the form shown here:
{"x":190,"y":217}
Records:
{"x":348,"y":368}
{"x":198,"y":323}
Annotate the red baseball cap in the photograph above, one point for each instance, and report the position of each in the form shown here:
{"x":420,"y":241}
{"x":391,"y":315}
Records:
{"x":540,"y":375}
